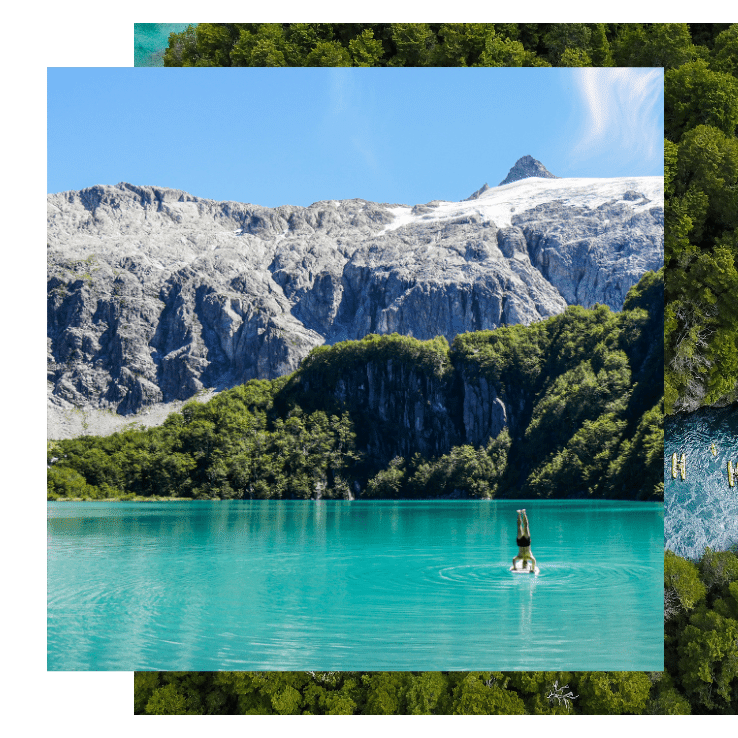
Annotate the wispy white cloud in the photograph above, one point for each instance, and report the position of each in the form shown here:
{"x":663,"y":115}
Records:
{"x":350,"y":117}
{"x":342,"y":89}
{"x":623,"y":113}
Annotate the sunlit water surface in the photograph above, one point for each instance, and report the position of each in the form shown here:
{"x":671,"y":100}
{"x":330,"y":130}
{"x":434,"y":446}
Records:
{"x":702,"y":510}
{"x":282,"y":585}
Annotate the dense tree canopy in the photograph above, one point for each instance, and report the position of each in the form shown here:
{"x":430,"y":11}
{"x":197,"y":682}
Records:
{"x":587,"y":387}
{"x":701,"y":180}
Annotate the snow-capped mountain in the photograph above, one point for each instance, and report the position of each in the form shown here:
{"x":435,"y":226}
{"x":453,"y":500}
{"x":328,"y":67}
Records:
{"x":154,"y":294}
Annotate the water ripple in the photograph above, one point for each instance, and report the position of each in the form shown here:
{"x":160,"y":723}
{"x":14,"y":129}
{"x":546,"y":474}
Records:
{"x":352,"y":587}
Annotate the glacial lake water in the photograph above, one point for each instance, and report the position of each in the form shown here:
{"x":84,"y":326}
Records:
{"x":334,"y":585}
{"x":702,"y":510}
{"x":150,"y":40}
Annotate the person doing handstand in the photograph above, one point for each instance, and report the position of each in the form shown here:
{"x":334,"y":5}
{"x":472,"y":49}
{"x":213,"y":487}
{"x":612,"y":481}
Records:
{"x":524,"y":559}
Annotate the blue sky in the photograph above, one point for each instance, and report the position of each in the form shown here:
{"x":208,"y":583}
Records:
{"x":295,"y":136}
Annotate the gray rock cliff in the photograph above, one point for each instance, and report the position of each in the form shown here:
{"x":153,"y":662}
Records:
{"x":408,"y":406}
{"x":155,"y":295}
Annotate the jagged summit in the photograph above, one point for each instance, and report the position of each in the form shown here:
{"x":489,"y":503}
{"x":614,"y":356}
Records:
{"x":525,"y":167}
{"x":480,"y":191}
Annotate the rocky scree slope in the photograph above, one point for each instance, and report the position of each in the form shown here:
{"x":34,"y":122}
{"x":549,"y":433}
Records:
{"x":154,"y":294}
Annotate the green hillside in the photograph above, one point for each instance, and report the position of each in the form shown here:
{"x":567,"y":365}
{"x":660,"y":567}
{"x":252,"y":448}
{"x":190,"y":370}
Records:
{"x":385,"y":417}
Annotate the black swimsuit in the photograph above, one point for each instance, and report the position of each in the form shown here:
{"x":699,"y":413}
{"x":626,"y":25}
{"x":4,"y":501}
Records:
{"x":523,"y":542}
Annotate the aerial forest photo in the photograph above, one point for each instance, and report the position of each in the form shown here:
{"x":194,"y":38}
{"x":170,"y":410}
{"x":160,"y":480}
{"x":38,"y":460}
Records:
{"x":401,"y":376}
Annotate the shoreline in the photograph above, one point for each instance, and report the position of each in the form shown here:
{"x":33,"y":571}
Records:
{"x":336,"y":499}
{"x":131,"y":499}
{"x":151,"y":40}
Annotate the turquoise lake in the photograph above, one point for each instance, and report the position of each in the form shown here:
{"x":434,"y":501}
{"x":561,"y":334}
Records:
{"x":702,"y":510}
{"x":365,"y":585}
{"x":150,"y":41}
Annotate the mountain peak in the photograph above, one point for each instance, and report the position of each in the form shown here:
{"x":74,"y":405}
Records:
{"x":526,"y":167}
{"x":479,"y":192}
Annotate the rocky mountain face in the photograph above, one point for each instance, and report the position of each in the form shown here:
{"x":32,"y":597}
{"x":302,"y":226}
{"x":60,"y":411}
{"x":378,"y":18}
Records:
{"x":543,"y":384}
{"x":414,"y":410}
{"x":154,"y":294}
{"x":526,"y":167}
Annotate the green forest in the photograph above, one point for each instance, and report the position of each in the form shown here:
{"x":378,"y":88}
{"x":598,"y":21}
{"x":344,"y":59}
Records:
{"x":700,"y":676}
{"x":700,"y":148}
{"x":587,"y":385}
{"x":700,"y":352}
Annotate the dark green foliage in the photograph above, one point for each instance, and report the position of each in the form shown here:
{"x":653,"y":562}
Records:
{"x":701,"y":630}
{"x":647,"y":295}
{"x":231,"y":447}
{"x":389,"y":482}
{"x":636,"y":468}
{"x":700,"y":341}
{"x":485,"y":693}
{"x":445,"y":44}
{"x":586,"y":387}
{"x":475,"y":473}
{"x":326,"y":364}
{"x":700,"y":677}
{"x":578,"y":45}
{"x":322,"y":44}
{"x":63,"y":482}
{"x":701,"y":186}
{"x":695,"y":95}
{"x":612,"y":693}
{"x":590,"y":385}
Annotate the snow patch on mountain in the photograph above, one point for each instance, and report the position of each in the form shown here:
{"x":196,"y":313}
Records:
{"x":500,"y":204}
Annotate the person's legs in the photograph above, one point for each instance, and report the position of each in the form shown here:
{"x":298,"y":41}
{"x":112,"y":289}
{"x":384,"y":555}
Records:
{"x":525,"y":557}
{"x":526,"y":526}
